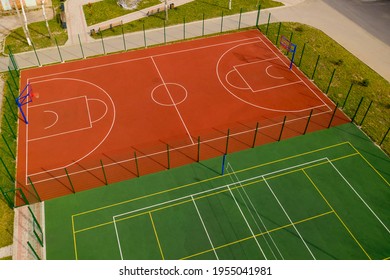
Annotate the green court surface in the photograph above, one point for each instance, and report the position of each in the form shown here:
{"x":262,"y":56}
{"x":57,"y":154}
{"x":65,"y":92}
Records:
{"x":324,"y":195}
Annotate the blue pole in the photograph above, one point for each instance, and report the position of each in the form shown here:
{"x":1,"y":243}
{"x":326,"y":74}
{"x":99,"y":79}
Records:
{"x":223,"y":164}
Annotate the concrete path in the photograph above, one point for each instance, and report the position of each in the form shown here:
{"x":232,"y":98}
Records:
{"x":6,"y":252}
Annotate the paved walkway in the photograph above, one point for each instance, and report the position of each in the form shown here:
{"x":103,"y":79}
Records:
{"x":6,"y":251}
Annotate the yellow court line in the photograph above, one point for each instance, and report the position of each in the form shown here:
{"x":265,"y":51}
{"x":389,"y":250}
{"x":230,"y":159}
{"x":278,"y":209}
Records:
{"x":209,"y":179}
{"x":74,"y":240}
{"x":212,"y":193}
{"x":257,"y":235}
{"x":337,"y":215}
{"x":388,"y":258}
{"x":156,"y":235}
{"x":369,"y":164}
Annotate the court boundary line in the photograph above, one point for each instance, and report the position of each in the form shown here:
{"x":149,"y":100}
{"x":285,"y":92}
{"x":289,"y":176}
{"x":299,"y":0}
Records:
{"x":288,"y":217}
{"x":327,"y":161}
{"x":205,"y":228}
{"x":334,"y":211}
{"x":222,"y":188}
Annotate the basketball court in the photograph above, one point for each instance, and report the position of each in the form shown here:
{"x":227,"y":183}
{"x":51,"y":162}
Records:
{"x":112,"y":118}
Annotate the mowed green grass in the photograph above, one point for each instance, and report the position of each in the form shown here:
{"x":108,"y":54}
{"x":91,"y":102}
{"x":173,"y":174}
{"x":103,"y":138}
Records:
{"x":156,"y":216}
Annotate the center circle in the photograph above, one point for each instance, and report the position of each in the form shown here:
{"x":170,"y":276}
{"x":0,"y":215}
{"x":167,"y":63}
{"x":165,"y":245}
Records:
{"x":169,"y":94}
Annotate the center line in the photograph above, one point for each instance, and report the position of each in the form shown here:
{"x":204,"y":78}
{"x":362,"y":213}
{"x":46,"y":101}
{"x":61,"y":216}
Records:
{"x":173,"y":102}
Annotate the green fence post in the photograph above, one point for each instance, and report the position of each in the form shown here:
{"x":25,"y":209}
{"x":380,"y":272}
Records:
{"x":255,"y":136}
{"x":104,"y":172}
{"x":81,"y":46}
{"x":184,"y":28}
{"x":281,"y":131}
{"x":384,"y":137}
{"x":277,"y":37}
{"x":33,"y":187}
{"x":143,"y":28}
{"x":315,"y":67}
{"x":221,"y":21}
{"x":32,"y":249}
{"x":239,"y":19}
{"x":227,"y":141}
{"x":12,"y":179}
{"x":365,"y":114}
{"x":334,"y":113}
{"x":101,"y":36}
{"x":136,"y":163}
{"x":198,"y":158}
{"x":269,"y":18}
{"x":168,"y":157}
{"x":330,"y":81}
{"x":308,"y":121}
{"x":357,"y":109}
{"x":303,"y":51}
{"x":258,"y":16}
{"x":9,"y":126}
{"x":124,"y":39}
{"x":203,"y":25}
{"x":70,"y":181}
{"x":345,"y":100}
{"x":165,"y":35}
{"x":58,"y":48}
{"x":9,"y":148}
{"x":35,"y":51}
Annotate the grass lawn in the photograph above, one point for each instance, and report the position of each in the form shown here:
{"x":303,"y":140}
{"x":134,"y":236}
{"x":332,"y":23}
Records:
{"x":192,"y":11}
{"x":16,"y":40}
{"x":108,"y":9}
{"x":349,"y":70}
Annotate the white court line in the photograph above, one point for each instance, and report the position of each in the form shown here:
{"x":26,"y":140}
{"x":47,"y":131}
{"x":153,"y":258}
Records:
{"x":278,"y":57}
{"x":204,"y":226}
{"x":105,"y":112}
{"x":272,"y":76}
{"x":65,"y":132}
{"x":364,"y":202}
{"x":299,"y":76}
{"x":117,"y":238}
{"x":288,"y":217}
{"x":55,"y":121}
{"x":227,"y":80}
{"x":257,"y":212}
{"x":246,"y":221}
{"x":84,"y":156}
{"x":58,"y":101}
{"x":173,"y":101}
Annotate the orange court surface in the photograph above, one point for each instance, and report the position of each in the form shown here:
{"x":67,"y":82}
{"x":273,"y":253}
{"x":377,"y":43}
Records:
{"x":107,"y":119}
